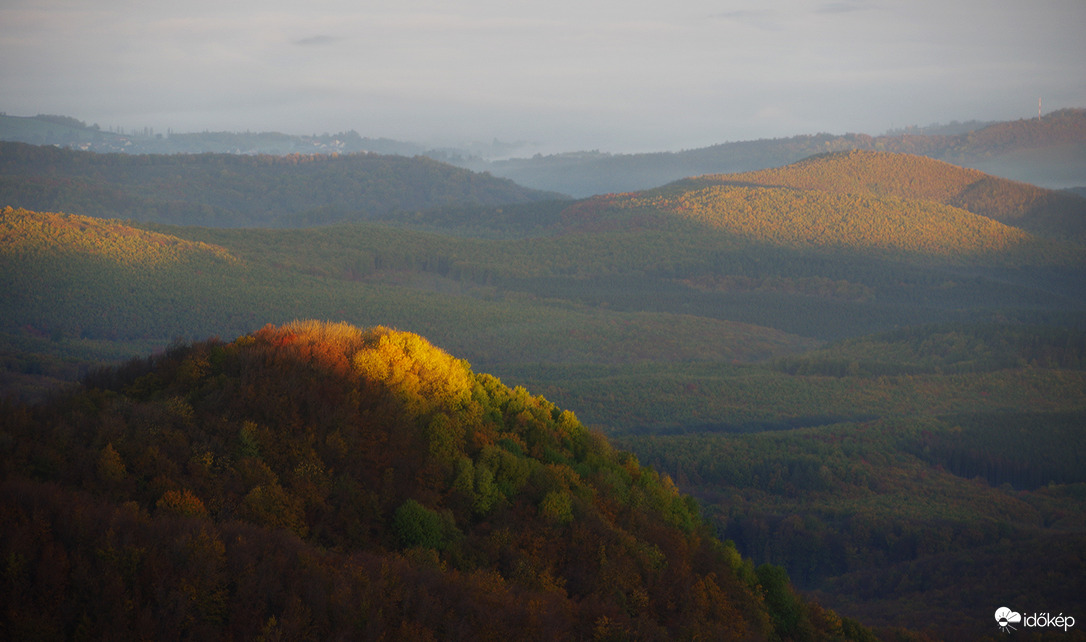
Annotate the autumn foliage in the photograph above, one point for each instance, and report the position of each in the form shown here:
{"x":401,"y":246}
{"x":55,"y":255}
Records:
{"x":865,"y":202}
{"x":321,"y":481}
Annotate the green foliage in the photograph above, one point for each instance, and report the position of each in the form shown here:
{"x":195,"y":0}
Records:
{"x":416,"y":525}
{"x":557,"y":506}
{"x":784,"y":605}
{"x":946,"y":349}
{"x":851,"y":506}
{"x":225,"y":190}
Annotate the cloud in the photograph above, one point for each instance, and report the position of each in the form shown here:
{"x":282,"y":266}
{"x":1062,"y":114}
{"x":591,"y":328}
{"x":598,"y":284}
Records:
{"x":696,"y":71}
{"x":317,"y":40}
{"x":765,"y":19}
{"x":839,"y":7}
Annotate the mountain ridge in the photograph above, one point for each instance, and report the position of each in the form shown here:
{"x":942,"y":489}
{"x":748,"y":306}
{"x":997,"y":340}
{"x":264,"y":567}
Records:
{"x":226,"y":190}
{"x":1049,"y":152}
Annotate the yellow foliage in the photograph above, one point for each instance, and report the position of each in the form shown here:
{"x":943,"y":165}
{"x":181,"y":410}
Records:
{"x":418,"y":372}
{"x":23,"y":231}
{"x":815,"y":218}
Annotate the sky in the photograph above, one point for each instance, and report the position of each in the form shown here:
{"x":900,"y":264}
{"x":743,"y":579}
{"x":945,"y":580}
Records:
{"x":562,"y":75}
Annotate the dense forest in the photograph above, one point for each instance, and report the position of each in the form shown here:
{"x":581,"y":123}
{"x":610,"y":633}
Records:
{"x":885,"y":407}
{"x":914,"y":177}
{"x":228,"y":190}
{"x":322,"y":481}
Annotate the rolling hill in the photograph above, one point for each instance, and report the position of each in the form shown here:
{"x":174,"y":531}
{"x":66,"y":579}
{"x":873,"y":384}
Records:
{"x":39,"y":234}
{"x":907,"y":176}
{"x":1050,"y":152}
{"x":102,"y":287}
{"x":856,"y":201}
{"x":226,"y":190}
{"x":324,"y":481}
{"x":865,"y":403}
{"x":729,"y":268}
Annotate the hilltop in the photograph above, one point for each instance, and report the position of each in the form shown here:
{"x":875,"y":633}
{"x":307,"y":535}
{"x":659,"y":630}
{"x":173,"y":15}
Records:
{"x":320,"y":480}
{"x":227,"y":190}
{"x":908,"y":176}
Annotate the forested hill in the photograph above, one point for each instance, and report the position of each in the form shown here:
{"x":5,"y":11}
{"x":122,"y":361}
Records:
{"x":325,"y":482}
{"x":889,"y":204}
{"x":224,"y":190}
{"x":56,"y":238}
{"x":1050,"y":151}
{"x":909,"y":176}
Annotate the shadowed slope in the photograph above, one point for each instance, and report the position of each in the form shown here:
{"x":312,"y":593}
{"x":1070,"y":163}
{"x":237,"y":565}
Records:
{"x":393,"y":490}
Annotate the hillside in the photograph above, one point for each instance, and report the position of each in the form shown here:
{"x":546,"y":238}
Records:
{"x":909,"y":176}
{"x":323,"y":481}
{"x":1049,"y":152}
{"x":38,"y":234}
{"x":882,"y":421}
{"x":226,"y":190}
{"x":859,"y":201}
{"x":711,"y":269}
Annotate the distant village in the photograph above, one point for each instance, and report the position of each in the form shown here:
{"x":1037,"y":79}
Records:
{"x":160,"y":144}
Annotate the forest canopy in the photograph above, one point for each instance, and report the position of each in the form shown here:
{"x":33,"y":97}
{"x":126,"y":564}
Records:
{"x":322,"y":480}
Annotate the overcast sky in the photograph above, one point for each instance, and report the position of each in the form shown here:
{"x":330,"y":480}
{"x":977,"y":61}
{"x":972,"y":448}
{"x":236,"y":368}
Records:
{"x":617,"y":75}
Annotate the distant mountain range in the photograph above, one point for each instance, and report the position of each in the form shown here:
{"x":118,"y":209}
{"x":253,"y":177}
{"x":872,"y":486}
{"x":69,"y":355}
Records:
{"x":1049,"y":152}
{"x":66,"y":131}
